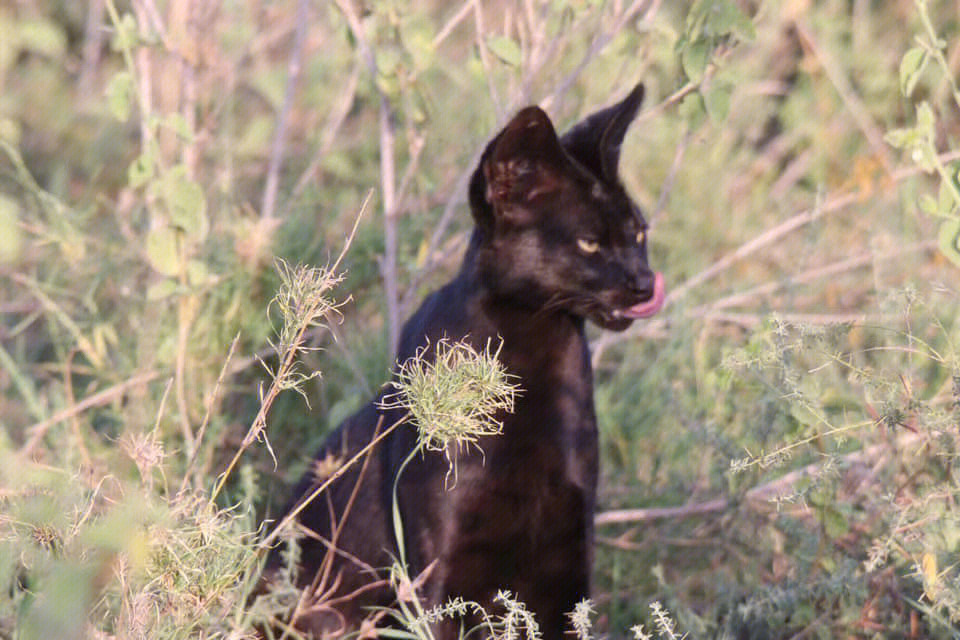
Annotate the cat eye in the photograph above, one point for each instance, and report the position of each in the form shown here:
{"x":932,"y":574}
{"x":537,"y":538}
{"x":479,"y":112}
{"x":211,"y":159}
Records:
{"x":587,"y":246}
{"x":641,"y":236}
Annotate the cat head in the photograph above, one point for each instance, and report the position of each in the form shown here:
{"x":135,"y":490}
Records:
{"x":555,"y":226}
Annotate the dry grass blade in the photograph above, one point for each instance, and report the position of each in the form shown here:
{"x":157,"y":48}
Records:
{"x":303,"y":303}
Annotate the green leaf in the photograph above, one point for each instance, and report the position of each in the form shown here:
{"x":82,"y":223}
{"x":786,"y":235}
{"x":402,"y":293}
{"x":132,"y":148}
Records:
{"x":693,"y":110}
{"x":10,"y":130}
{"x":163,"y":289}
{"x":505,"y":48}
{"x":163,"y":250}
{"x":949,"y":240}
{"x":42,"y":36}
{"x":802,"y":415}
{"x":177,"y":123}
{"x":925,"y":119}
{"x":120,"y":95}
{"x":835,"y":523}
{"x":387,"y":61}
{"x":197,"y":273}
{"x":717,"y":101}
{"x":10,"y":235}
{"x":901,"y":138}
{"x":694,"y":59}
{"x":185,"y":202}
{"x":125,"y":36}
{"x":141,"y":169}
{"x":728,"y":18}
{"x":946,"y":201}
{"x":928,"y":205}
{"x":255,"y":136}
{"x":912,"y":64}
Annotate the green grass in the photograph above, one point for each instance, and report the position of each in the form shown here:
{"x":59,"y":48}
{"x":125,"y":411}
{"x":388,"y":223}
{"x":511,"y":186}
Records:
{"x":794,"y":407}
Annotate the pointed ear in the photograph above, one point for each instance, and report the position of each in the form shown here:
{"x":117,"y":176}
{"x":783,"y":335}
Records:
{"x":525,"y":161}
{"x":595,"y":141}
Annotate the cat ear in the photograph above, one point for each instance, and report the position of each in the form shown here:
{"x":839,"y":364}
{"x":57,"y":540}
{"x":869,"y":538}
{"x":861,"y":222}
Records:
{"x":525,"y":161}
{"x":595,"y":141}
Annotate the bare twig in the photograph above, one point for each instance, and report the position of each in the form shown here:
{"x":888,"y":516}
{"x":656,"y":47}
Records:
{"x":186,"y":313}
{"x":38,"y":430}
{"x":74,"y":422}
{"x":266,"y":542}
{"x":143,"y":78}
{"x":206,"y":418}
{"x":853,"y":102}
{"x":760,"y":494}
{"x":334,"y":123}
{"x":294,"y":70}
{"x":601,"y":40}
{"x":668,"y":182}
{"x":485,"y":59}
{"x":452,"y":23}
{"x":620,"y":516}
{"x":320,"y":581}
{"x":93,"y":33}
{"x":833,"y":269}
{"x":753,"y":320}
{"x":387,"y":177}
{"x":148,"y":8}
{"x":388,"y":186}
{"x":766,"y":238}
{"x":791,"y":224}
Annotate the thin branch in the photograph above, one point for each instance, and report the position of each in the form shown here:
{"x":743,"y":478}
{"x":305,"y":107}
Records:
{"x":671,"y":178}
{"x":853,"y":102}
{"x":784,"y":228}
{"x":186,"y":314}
{"x":266,"y":542}
{"x":294,"y":71}
{"x":206,"y":418}
{"x":485,"y":59}
{"x":334,"y":123}
{"x":760,"y":494}
{"x":388,"y":186}
{"x":453,"y":22}
{"x":150,"y":11}
{"x":833,"y":269}
{"x":93,"y":33}
{"x":601,"y":41}
{"x":38,"y":430}
{"x":387,"y":177}
{"x":753,"y":320}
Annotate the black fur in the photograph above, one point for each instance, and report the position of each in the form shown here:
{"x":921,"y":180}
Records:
{"x":520,"y":515}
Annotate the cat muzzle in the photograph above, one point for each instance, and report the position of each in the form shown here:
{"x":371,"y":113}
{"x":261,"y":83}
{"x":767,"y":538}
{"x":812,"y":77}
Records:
{"x":651,"y":306}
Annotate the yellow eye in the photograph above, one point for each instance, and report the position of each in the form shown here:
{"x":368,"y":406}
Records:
{"x":587,"y":246}
{"x":641,"y":236}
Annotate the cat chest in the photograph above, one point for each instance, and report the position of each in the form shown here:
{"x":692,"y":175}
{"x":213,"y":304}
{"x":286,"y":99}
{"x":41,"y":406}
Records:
{"x":541,"y":468}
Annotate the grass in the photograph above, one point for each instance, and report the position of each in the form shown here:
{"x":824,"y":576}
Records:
{"x":779,"y":445}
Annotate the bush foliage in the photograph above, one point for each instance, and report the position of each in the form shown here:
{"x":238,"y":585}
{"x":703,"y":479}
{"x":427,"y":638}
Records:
{"x":779,"y":445}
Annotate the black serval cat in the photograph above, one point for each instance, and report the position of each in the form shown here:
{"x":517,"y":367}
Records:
{"x":557,"y":241}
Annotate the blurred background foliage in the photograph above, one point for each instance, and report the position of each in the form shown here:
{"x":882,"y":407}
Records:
{"x":779,"y":445}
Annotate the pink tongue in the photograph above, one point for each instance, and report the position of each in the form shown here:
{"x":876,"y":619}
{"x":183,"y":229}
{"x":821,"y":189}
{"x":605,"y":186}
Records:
{"x":651,"y":306}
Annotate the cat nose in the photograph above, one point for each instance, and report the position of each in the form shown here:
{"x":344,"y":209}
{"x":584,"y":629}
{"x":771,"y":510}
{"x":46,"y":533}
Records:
{"x":643,"y":285}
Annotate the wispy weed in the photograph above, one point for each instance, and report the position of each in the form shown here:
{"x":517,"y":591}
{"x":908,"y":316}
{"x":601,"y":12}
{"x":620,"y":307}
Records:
{"x":455,"y":394}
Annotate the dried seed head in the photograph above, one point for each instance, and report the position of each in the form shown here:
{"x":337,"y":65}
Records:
{"x":454,"y":397}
